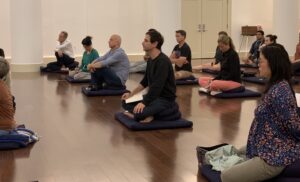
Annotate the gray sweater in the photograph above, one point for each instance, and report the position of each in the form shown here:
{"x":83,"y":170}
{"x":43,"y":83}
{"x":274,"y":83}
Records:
{"x":118,"y":61}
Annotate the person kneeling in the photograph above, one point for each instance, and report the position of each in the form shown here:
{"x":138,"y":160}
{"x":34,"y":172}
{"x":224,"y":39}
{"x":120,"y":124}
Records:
{"x":159,"y":79}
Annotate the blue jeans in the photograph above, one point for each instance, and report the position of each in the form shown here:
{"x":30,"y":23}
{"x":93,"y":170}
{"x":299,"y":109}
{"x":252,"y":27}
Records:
{"x":106,"y":76}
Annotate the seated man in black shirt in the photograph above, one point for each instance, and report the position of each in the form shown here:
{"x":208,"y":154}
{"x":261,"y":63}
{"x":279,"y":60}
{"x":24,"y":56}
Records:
{"x":181,"y":57}
{"x":214,"y":65}
{"x":159,"y":79}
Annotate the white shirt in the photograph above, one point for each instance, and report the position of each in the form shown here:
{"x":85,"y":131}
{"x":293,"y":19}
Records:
{"x":66,"y":48}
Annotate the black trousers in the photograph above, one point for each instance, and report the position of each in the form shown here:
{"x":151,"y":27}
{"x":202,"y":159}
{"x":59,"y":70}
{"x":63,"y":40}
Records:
{"x":155,"y":107}
{"x":65,"y":60}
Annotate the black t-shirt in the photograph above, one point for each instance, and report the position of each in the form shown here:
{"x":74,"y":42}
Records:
{"x":159,"y":77}
{"x":183,"y":51}
{"x":230,"y":67}
{"x":218,"y":55}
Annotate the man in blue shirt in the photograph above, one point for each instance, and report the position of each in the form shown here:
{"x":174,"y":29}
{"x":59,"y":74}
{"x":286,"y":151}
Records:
{"x":112,"y":69}
{"x":253,"y":54}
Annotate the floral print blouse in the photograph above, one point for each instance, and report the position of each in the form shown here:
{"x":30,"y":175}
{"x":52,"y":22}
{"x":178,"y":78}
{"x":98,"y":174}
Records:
{"x":274,"y":133}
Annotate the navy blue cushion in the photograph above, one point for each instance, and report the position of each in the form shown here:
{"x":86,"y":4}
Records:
{"x":209,"y":174}
{"x":253,"y":79}
{"x":290,"y":174}
{"x":72,"y":80}
{"x":284,"y":180}
{"x":261,"y":80}
{"x":248,"y":73}
{"x":153,"y":125}
{"x":237,"y":94}
{"x":292,"y":171}
{"x":248,"y":66}
{"x":187,"y":81}
{"x":246,"y":93}
{"x":44,"y":70}
{"x":16,"y":138}
{"x":103,"y":92}
{"x":210,"y":71}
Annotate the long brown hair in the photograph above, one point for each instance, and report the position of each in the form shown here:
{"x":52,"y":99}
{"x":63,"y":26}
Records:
{"x":227,"y":41}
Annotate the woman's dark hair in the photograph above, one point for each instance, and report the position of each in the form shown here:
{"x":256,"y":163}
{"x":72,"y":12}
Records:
{"x":272,"y":38}
{"x":280,"y":65}
{"x":155,"y":36}
{"x":222,"y":33}
{"x":2,"y":53}
{"x":227,"y":41}
{"x":181,"y":32}
{"x":87,"y":41}
{"x":261,"y":32}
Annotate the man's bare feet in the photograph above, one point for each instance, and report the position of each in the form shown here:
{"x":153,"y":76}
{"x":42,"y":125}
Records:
{"x":130,"y":115}
{"x":147,"y":120}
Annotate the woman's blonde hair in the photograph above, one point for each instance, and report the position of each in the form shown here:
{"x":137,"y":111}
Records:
{"x":227,"y":41}
{"x":4,"y":68}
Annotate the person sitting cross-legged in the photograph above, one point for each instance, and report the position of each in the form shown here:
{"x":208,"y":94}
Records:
{"x":111,"y":70}
{"x":90,"y":54}
{"x":159,"y":79}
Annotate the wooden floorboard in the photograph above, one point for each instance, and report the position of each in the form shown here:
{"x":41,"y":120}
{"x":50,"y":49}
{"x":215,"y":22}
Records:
{"x":81,"y":141}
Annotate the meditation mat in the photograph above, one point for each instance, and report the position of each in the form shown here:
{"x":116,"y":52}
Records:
{"x":289,"y":174}
{"x":262,"y":81}
{"x":153,"y":125}
{"x":240,"y":92}
{"x":209,"y":174}
{"x":44,"y":70}
{"x":254,"y":79}
{"x":248,"y":73}
{"x":17,"y":138}
{"x":248,"y":66}
{"x":187,"y":81}
{"x":103,"y":92}
{"x":72,"y":80}
{"x":210,"y":71}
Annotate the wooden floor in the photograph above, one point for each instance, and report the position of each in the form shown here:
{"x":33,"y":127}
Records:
{"x":81,"y":141}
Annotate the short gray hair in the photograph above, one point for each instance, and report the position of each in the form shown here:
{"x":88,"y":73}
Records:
{"x":4,"y":67}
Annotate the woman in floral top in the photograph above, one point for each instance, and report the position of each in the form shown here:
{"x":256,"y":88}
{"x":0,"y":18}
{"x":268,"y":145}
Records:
{"x":274,"y":139}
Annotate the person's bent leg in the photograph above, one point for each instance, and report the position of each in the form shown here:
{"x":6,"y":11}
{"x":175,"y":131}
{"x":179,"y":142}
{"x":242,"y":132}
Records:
{"x":182,"y":74}
{"x":109,"y":77}
{"x":158,"y":105}
{"x":82,"y":76}
{"x":252,"y":170}
{"x":138,"y":66}
{"x":204,"y":81}
{"x":129,"y":106}
{"x":223,"y":85}
{"x":53,"y":66}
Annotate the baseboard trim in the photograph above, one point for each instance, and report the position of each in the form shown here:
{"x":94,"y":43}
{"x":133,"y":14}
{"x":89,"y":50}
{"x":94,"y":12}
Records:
{"x":48,"y":59}
{"x":25,"y":68}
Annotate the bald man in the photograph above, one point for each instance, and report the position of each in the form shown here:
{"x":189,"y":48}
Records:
{"x":112,"y":69}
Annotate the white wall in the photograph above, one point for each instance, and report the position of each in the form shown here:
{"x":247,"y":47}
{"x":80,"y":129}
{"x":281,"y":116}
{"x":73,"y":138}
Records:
{"x":5,"y":42}
{"x":252,"y":13}
{"x":101,"y":18}
{"x":130,"y":18}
